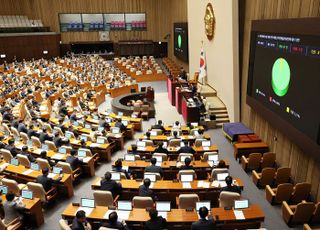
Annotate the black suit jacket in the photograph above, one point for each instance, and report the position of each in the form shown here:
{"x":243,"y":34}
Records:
{"x":13,"y":150}
{"x":46,"y":182}
{"x":184,"y":167}
{"x":161,"y":150}
{"x":231,"y":188}
{"x":158,"y":127}
{"x":112,"y":186}
{"x":186,"y":149}
{"x":30,"y":157}
{"x":22,"y":128}
{"x":44,"y":137}
{"x":203,"y":224}
{"x":154,"y":169}
{"x":117,"y":225}
{"x":144,"y":191}
{"x":73,"y":161}
{"x":77,"y":225}
{"x":31,"y":133}
{"x":156,"y":224}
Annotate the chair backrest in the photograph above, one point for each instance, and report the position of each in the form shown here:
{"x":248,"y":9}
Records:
{"x":88,"y":152}
{"x":6,"y":154}
{"x":58,"y":129}
{"x":284,"y":192}
{"x":37,"y":190}
{"x":301,"y":192}
{"x":6,"y":128}
{"x":226,"y":199}
{"x":174,"y":142}
{"x":12,"y":185}
{"x":163,"y":155}
{"x":158,"y":131}
{"x":188,"y":201}
{"x":283,"y":175}
{"x":181,"y":155}
{"x":207,"y":154}
{"x":15,"y":132}
{"x":36,"y":142}
{"x":216,"y":171}
{"x":187,"y":172}
{"x":24,"y":137}
{"x":148,"y":142}
{"x":47,"y":127}
{"x":142,"y":202}
{"x":316,"y":214}
{"x":43,"y":163}
{"x":66,"y":168}
{"x":158,"y":176}
{"x":268,"y":160}
{"x":198,"y":142}
{"x":64,"y":225}
{"x":254,"y":161}
{"x":303,"y":212}
{"x":51,"y":145}
{"x":267,"y":176}
{"x":23,"y":160}
{"x":103,"y":198}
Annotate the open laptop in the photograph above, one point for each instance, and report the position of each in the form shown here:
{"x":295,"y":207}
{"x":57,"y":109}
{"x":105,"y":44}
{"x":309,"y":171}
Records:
{"x":206,"y":143}
{"x":96,"y":117}
{"x":152,"y":177}
{"x":186,"y":178}
{"x":163,"y":206}
{"x":120,"y":114}
{"x":115,"y":130}
{"x":75,"y":123}
{"x":125,"y":122}
{"x":82,"y":153}
{"x":222,"y":176}
{"x":241,"y":204}
{"x":3,"y":189}
{"x":213,"y":157}
{"x":82,"y":137}
{"x":115,"y":176}
{"x":14,"y":161}
{"x":88,"y":203}
{"x":194,"y":124}
{"x":100,"y":128}
{"x":153,"y":133}
{"x":34,"y":166}
{"x":141,"y":144}
{"x":183,"y":158}
{"x":158,"y":158}
{"x":56,"y":170}
{"x":129,"y":157}
{"x":100,"y":140}
{"x":201,"y":204}
{"x":125,"y":205}
{"x":62,"y":150}
{"x":87,"y":126}
{"x":44,"y":147}
{"x":27,"y":194}
{"x":67,"y":135}
{"x":29,"y":143}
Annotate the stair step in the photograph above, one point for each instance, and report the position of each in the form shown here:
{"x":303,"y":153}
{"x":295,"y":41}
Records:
{"x":218,"y":111}
{"x":222,"y":115}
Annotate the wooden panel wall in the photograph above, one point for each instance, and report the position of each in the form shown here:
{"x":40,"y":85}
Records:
{"x":304,"y":168}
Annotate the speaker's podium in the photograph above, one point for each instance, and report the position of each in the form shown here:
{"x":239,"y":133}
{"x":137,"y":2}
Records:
{"x":190,"y":110}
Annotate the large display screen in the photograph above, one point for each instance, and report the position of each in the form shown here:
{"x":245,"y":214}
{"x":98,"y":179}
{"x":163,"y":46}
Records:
{"x":284,"y":79}
{"x":181,"y":47}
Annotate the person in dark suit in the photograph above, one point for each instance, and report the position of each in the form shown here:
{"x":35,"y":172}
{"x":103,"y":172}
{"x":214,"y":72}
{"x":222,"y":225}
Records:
{"x":144,"y":189}
{"x":43,"y":155}
{"x":13,"y":150}
{"x":74,"y":161}
{"x":159,"y":126}
{"x":186,"y":148}
{"x":12,"y":209}
{"x":153,"y":168}
{"x":22,"y":127}
{"x":187,"y":165}
{"x":73,"y":117}
{"x":44,"y":136}
{"x":203,"y":223}
{"x":47,"y":182}
{"x":7,"y":115}
{"x":156,"y":222}
{"x":25,"y":153}
{"x":32,"y":132}
{"x":113,"y":222}
{"x":120,"y":125}
{"x":58,"y":141}
{"x":134,"y":149}
{"x":118,"y":168}
{"x":230,"y":187}
{"x":80,"y":222}
{"x":110,"y":185}
{"x":160,"y":149}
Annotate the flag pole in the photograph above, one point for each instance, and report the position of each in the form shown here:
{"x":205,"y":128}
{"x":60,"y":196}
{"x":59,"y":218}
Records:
{"x":202,"y":49}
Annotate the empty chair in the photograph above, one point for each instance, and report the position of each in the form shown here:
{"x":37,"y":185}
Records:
{"x":39,"y":192}
{"x":13,"y":225}
{"x":297,"y":214}
{"x":174,"y":142}
{"x":264,"y":178}
{"x":66,"y":168}
{"x":163,"y":155}
{"x":207,"y":154}
{"x":187,"y":172}
{"x":268,"y":160}
{"x":145,"y":112}
{"x":185,"y":201}
{"x":216,"y":171}
{"x":23,"y":160}
{"x":184,"y":155}
{"x":36,"y":142}
{"x":277,"y":195}
{"x":6,"y":154}
{"x":24,"y":137}
{"x":316,"y":215}
{"x":157,"y":175}
{"x":43,"y":163}
{"x":13,"y":186}
{"x":300,"y":192}
{"x":283,"y":175}
{"x":252,"y":162}
{"x":64,"y":225}
{"x":103,"y":198}
{"x":15,"y":132}
{"x":136,"y":111}
{"x":142,"y":202}
{"x":226,"y":199}
{"x":51,"y":145}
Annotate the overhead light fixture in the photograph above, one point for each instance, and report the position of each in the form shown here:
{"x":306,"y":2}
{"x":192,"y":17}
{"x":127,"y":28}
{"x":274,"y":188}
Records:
{"x":2,"y":56}
{"x":45,"y":52}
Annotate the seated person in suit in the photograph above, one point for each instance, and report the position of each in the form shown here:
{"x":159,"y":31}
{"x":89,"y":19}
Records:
{"x":118,"y":168}
{"x":32,"y":132}
{"x":230,"y":187}
{"x":147,"y":136}
{"x":110,"y":185}
{"x":7,"y":115}
{"x":27,"y":154}
{"x":174,"y":135}
{"x":43,"y":155}
{"x":80,"y":222}
{"x":156,"y":222}
{"x":12,"y":209}
{"x":186,"y":148}
{"x":74,"y":161}
{"x":47,"y":182}
{"x":44,"y":136}
{"x":120,"y":125}
{"x":176,"y":125}
{"x":187,"y":165}
{"x":144,"y":189}
{"x":154,"y":168}
{"x":113,"y":222}
{"x":199,"y":134}
{"x":134,"y":149}
{"x":22,"y":127}
{"x":13,"y":150}
{"x":221,"y":164}
{"x":203,"y":223}
{"x":73,"y":117}
{"x":160,"y":149}
{"x":58,"y":141}
{"x":159,"y":126}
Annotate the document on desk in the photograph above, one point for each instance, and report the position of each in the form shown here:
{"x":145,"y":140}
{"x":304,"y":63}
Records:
{"x":186,"y":185}
{"x":58,"y":156}
{"x":126,"y":168}
{"x":206,"y":184}
{"x":215,"y":183}
{"x":123,"y":215}
{"x":210,"y":163}
{"x":206,"y":148}
{"x":86,"y":210}
{"x":200,"y":184}
{"x":141,"y":148}
{"x":179,"y":164}
{"x":94,"y":145}
{"x":86,"y":159}
{"x":239,"y":215}
{"x":51,"y":175}
{"x":37,"y":151}
{"x":163,"y":214}
{"x":27,"y":172}
{"x":222,"y":184}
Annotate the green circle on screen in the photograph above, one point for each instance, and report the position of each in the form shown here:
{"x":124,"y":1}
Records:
{"x":179,"y":41}
{"x":280,"y":77}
